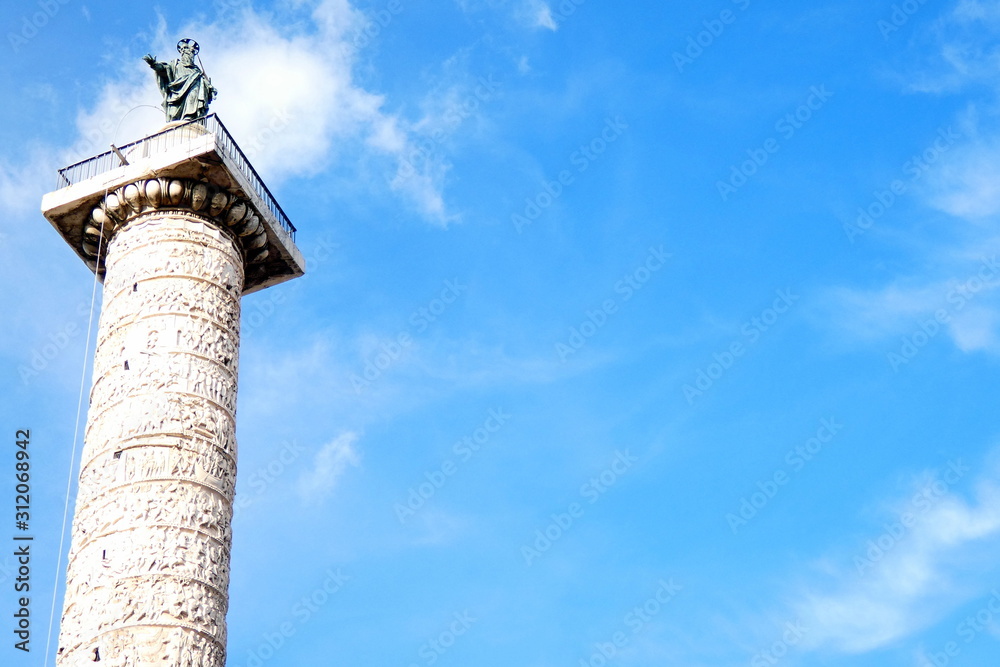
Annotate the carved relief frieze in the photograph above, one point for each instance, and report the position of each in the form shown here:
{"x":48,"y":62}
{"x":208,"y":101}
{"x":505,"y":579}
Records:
{"x":113,"y":468}
{"x":149,"y":560}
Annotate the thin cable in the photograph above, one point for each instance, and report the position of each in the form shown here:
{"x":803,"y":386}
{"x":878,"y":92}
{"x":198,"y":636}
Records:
{"x":114,"y":137}
{"x":202,"y":66}
{"x":79,"y":409}
{"x":72,"y":459}
{"x":209,"y":79}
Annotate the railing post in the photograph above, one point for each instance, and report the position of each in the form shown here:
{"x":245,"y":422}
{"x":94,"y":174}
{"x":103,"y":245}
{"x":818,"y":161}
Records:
{"x":166,"y":139}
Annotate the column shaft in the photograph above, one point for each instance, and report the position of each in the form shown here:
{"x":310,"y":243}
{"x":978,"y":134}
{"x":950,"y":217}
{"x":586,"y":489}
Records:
{"x":148,"y":570}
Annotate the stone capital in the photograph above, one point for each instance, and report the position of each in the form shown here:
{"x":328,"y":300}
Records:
{"x":123,"y":205}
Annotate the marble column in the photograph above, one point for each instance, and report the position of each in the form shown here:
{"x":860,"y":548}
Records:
{"x":148,"y":569}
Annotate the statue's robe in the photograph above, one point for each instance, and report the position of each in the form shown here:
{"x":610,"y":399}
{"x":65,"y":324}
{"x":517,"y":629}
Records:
{"x":185,"y":88}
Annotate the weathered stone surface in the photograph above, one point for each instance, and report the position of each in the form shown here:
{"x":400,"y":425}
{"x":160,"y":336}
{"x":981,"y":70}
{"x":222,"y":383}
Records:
{"x":148,"y":569}
{"x":188,"y":167}
{"x":120,"y":207}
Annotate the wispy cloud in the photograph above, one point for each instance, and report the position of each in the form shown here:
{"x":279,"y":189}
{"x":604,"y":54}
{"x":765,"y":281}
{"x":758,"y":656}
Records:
{"x":969,"y":11}
{"x":959,"y":49}
{"x":22,"y":184}
{"x":532,"y":14}
{"x":977,"y":329}
{"x":334,"y":366}
{"x":872,"y":315}
{"x":967,"y":183}
{"x":541,"y":15}
{"x":288,"y":93}
{"x":914,"y":568}
{"x":329,"y":465}
{"x":965,"y":306}
{"x":956,"y":252}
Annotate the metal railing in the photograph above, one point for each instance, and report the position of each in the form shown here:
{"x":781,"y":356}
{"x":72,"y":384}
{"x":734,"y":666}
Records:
{"x":161,"y":141}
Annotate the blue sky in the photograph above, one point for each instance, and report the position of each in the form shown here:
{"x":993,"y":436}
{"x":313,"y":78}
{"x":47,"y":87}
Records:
{"x":632,"y":334}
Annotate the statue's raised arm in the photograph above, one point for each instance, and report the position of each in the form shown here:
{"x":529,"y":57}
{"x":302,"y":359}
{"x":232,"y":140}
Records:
{"x":187,"y":91}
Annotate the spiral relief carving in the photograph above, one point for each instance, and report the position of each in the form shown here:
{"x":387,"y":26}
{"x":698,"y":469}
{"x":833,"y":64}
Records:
{"x":148,"y":571}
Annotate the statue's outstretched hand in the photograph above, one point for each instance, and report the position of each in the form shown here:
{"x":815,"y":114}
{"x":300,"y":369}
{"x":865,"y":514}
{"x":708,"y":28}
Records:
{"x":149,"y":59}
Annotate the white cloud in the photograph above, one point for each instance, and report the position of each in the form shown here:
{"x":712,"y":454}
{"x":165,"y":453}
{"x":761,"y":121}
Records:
{"x":976,"y":329}
{"x":287,"y":93}
{"x":966,"y":306}
{"x":333,"y":375}
{"x":976,"y":10}
{"x":543,"y":17}
{"x":537,"y":14}
{"x":959,"y":274}
{"x":420,"y":188}
{"x":388,"y":136}
{"x":126,"y":109}
{"x":967,"y":184}
{"x":906,"y":577}
{"x":951,"y":53}
{"x":871,"y":315}
{"x":532,"y":14}
{"x":328,"y":467}
{"x":22,"y":185}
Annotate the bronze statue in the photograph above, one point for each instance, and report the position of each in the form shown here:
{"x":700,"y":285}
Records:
{"x":187,"y":90}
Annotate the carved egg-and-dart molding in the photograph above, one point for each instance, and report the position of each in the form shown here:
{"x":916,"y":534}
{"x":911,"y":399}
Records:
{"x":119,"y":207}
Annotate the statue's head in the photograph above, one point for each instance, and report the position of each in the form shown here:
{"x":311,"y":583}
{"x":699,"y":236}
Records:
{"x":188,"y":48}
